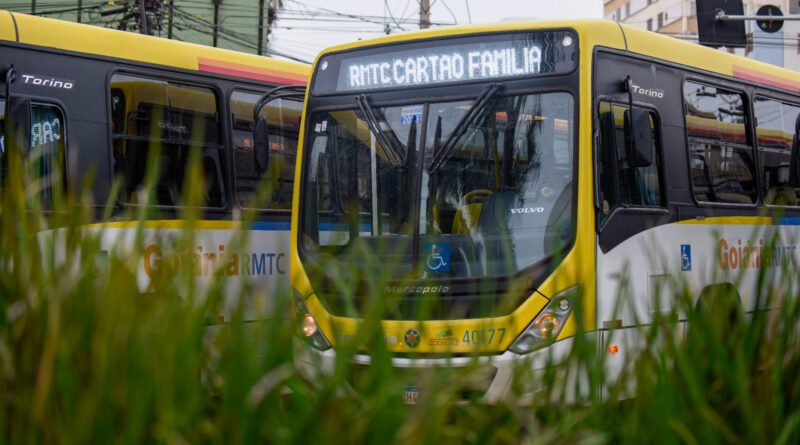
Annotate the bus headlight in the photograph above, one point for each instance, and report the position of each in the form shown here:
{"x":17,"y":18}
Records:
{"x":307,"y":325}
{"x":544,"y":329}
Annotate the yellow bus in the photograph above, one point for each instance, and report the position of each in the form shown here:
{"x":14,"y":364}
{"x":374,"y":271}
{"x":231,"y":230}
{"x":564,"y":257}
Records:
{"x":506,"y":180}
{"x":84,"y":101}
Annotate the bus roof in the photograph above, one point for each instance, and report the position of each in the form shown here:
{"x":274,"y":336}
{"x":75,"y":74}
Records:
{"x":604,"y":33}
{"x":69,"y":36}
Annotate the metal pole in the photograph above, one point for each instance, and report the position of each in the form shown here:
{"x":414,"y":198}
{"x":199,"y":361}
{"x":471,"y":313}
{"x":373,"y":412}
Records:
{"x":33,"y":7}
{"x":424,"y":14}
{"x":80,"y":9}
{"x":722,"y":17}
{"x":216,"y":21}
{"x":260,"y":27}
{"x":143,"y":28}
{"x":169,"y":23}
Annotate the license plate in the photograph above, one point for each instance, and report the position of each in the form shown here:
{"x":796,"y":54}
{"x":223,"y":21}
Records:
{"x":411,"y":395}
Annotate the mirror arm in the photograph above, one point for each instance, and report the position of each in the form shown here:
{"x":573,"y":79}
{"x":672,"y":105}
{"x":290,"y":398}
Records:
{"x":628,"y":86}
{"x":11,"y":76}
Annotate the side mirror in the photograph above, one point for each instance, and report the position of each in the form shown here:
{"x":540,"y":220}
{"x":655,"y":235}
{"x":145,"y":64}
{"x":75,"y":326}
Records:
{"x":794,"y":162}
{"x":638,"y":138}
{"x":18,"y":124}
{"x":261,"y":145}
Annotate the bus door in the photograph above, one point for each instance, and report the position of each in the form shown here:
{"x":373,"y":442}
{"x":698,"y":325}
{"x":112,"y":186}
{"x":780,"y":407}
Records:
{"x":630,"y":199}
{"x":634,"y":254}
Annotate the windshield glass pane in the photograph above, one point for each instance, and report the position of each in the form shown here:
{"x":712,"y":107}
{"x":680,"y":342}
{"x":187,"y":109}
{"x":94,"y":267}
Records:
{"x":501,"y":198}
{"x":490,"y":200}
{"x":349,"y":174}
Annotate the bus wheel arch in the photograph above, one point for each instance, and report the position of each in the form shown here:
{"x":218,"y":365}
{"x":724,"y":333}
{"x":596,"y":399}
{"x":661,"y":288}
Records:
{"x":719,"y":306}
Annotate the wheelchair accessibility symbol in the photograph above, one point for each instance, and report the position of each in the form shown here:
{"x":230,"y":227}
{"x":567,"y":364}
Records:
{"x":686,"y":257}
{"x":438,"y":259}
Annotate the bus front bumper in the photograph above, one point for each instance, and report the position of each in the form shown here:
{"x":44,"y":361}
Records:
{"x":488,"y":378}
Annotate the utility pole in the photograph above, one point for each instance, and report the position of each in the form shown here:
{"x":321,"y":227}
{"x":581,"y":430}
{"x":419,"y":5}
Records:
{"x":171,"y":12}
{"x":260,"y":27}
{"x":143,"y":26}
{"x":216,"y":21}
{"x":424,"y":14}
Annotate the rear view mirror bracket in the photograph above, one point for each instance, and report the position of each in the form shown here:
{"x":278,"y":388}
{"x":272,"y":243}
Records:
{"x":17,"y":117}
{"x":638,"y":133}
{"x":261,"y":142}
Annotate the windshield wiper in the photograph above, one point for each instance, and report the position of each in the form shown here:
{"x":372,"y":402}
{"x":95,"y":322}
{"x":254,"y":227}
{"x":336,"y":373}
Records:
{"x":474,"y":111}
{"x":396,"y":159}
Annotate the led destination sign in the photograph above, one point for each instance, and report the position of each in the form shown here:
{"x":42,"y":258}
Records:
{"x":450,"y":60}
{"x":431,"y":68}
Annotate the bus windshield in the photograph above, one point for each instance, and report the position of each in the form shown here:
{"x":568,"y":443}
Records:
{"x":486,"y":195}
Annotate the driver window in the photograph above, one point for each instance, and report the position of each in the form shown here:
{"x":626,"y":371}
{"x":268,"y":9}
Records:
{"x":622,"y":185}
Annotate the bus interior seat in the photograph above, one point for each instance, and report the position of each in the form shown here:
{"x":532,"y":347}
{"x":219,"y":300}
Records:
{"x":213,"y":188}
{"x":166,"y":188}
{"x":559,"y":223}
{"x":494,"y":231}
{"x":465,"y":220}
{"x":781,"y":195}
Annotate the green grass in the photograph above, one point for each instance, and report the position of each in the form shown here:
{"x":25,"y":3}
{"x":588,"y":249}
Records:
{"x":86,"y":356}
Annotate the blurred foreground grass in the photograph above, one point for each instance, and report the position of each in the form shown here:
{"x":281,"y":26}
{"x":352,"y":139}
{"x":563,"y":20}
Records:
{"x":86,"y":356}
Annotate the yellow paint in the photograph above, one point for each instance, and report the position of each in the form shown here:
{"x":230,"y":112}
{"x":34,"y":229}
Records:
{"x":170,"y":224}
{"x":731,"y":220}
{"x":49,"y":33}
{"x":7,"y":31}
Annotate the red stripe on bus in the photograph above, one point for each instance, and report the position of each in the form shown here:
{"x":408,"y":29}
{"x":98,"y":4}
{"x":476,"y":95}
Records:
{"x":744,"y":73}
{"x":249,"y":72}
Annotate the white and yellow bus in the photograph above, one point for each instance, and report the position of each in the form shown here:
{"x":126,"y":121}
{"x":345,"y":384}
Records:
{"x":85,"y":101}
{"x":507,"y":177}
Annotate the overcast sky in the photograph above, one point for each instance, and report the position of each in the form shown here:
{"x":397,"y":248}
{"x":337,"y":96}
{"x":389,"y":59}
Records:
{"x":309,"y":26}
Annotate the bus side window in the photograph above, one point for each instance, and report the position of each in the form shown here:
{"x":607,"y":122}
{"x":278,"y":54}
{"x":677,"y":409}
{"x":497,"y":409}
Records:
{"x":775,"y":133}
{"x":622,"y":185}
{"x":44,"y":161}
{"x":721,"y":159}
{"x":155,"y":116}
{"x":283,"y":116}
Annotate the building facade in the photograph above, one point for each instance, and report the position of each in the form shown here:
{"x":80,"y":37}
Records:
{"x":240,"y":25}
{"x":678,"y":18}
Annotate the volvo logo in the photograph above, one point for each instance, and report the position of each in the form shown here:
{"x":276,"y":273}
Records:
{"x":527,"y":210}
